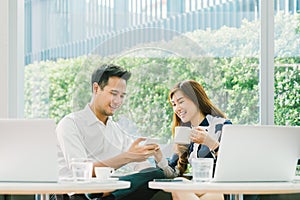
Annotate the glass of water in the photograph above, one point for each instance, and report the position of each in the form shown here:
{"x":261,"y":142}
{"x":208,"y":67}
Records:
{"x":82,"y":169}
{"x":202,"y":169}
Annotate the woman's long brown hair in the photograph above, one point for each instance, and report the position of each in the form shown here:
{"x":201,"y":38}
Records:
{"x":195,"y":92}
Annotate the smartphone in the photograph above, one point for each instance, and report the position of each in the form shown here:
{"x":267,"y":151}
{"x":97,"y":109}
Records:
{"x":151,"y":141}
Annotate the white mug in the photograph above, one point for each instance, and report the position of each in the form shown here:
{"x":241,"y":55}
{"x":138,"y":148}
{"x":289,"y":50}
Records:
{"x":103,"y":173}
{"x":182,"y":135}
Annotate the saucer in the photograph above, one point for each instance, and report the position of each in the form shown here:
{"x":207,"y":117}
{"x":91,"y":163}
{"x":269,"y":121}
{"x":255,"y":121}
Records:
{"x":109,"y":180}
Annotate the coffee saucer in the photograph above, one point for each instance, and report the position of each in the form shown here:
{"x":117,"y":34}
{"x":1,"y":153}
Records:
{"x":109,"y":180}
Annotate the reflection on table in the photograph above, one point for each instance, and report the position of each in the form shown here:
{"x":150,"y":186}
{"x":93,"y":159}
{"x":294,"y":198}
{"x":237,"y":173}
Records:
{"x":236,"y":190}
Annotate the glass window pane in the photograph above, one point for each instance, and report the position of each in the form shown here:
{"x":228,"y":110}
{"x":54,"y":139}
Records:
{"x":287,"y":62}
{"x":161,"y":42}
{"x":213,"y":42}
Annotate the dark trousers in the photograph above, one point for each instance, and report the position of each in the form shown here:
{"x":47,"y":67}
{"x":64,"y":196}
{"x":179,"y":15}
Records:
{"x":138,"y":190}
{"x":17,"y":197}
{"x":139,"y":185}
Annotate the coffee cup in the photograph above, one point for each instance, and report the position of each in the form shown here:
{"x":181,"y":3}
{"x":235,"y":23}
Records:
{"x":103,"y":173}
{"x":182,"y":135}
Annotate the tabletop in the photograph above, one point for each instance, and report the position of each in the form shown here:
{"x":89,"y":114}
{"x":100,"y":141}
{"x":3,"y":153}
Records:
{"x":60,"y":188}
{"x":229,"y":188}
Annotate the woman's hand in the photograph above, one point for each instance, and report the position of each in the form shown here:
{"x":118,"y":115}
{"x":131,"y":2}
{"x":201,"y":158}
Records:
{"x":158,"y":155}
{"x":200,"y":135}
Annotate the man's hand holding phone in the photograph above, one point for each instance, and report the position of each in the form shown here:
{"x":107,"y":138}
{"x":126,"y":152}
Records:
{"x":149,"y":141}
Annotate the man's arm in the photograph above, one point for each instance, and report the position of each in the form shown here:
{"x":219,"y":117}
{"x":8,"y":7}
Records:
{"x":136,"y":153}
{"x":72,"y":146}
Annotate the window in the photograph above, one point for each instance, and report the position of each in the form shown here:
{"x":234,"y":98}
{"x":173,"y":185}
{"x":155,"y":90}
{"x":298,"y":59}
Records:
{"x":217,"y":43}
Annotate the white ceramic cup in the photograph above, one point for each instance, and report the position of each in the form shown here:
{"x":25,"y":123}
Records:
{"x":202,"y":169}
{"x":182,"y":135}
{"x":103,"y":173}
{"x":82,"y":169}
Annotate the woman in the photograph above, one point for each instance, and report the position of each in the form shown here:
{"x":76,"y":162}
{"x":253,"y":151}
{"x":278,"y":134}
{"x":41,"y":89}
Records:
{"x":193,"y":108}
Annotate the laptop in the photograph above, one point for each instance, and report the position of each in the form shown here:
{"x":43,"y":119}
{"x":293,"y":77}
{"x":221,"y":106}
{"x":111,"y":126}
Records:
{"x":28,"y":150}
{"x":257,"y":153}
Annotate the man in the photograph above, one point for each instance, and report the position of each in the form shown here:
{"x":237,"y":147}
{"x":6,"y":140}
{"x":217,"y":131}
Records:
{"x":91,"y":133}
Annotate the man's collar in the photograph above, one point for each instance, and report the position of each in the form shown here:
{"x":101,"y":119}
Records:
{"x":91,"y":117}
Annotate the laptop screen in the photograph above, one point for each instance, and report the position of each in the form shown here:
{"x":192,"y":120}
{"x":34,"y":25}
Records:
{"x":257,"y":153}
{"x":28,"y":150}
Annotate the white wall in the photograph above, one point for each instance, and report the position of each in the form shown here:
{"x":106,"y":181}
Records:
{"x":4,"y":58}
{"x":11,"y":58}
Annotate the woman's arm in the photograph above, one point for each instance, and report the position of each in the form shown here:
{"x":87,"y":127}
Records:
{"x":169,"y":167}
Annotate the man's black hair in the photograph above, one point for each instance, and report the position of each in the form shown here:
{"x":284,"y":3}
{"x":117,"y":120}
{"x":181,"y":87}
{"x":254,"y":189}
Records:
{"x":102,"y":74}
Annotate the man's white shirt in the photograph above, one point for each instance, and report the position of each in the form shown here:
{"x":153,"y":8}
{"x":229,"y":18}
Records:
{"x":82,"y":135}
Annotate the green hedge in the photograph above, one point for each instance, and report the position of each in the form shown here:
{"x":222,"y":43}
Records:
{"x":54,"y":89}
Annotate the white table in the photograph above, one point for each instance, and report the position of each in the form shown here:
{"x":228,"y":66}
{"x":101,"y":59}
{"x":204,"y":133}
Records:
{"x":44,"y":189}
{"x":236,"y":190}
